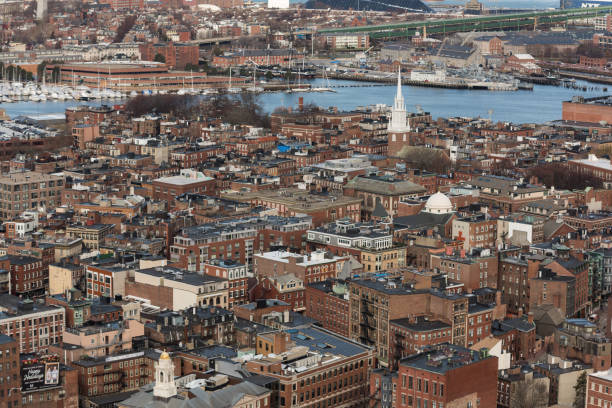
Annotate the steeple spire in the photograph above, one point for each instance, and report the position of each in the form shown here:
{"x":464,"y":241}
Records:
{"x":399,"y":122}
{"x":399,"y":84}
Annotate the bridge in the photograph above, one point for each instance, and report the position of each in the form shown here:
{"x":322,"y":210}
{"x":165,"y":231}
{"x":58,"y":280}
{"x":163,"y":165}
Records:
{"x":500,"y":22}
{"x":222,"y":40}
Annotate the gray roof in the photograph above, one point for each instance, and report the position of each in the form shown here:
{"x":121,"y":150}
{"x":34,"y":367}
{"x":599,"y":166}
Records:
{"x":421,"y":220}
{"x":384,"y":185}
{"x":443,"y":358}
{"x":225,"y":397}
{"x":323,"y":341}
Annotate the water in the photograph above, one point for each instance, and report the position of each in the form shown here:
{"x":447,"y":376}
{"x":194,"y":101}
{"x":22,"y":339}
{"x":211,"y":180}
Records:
{"x":537,"y":106}
{"x":540,"y":105}
{"x":510,"y":4}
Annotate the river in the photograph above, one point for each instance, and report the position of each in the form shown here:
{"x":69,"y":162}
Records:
{"x":537,"y":106}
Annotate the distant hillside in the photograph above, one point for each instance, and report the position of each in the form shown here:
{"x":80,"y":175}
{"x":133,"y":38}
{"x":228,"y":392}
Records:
{"x":374,"y":5}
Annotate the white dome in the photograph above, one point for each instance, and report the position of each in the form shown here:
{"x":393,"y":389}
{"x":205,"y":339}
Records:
{"x":438,"y":204}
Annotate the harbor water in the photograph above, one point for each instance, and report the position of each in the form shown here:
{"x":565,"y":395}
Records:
{"x":523,"y":106}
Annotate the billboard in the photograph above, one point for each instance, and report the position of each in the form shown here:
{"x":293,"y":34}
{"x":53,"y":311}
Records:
{"x":39,"y":375}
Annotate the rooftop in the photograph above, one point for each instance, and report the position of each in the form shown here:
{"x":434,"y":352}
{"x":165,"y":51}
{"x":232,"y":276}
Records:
{"x":443,"y":358}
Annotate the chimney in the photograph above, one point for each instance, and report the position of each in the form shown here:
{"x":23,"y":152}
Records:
{"x":520,"y":312}
{"x":530,"y":317}
{"x":498,"y":298}
{"x":301,"y":103}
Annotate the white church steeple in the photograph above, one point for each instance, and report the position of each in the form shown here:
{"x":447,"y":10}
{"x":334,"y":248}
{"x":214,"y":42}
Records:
{"x":399,"y":121}
{"x":165,"y":387}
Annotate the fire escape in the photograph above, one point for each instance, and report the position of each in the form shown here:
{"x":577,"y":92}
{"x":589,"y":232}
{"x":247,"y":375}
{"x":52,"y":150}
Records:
{"x":368,"y":324}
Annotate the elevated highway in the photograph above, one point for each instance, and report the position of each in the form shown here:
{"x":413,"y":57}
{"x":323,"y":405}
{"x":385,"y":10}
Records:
{"x":512,"y":21}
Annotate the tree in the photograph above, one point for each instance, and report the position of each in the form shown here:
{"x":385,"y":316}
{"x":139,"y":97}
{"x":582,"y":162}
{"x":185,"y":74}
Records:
{"x":529,"y":393}
{"x":40,"y":69}
{"x":159,"y":58}
{"x":580,"y":390}
{"x":560,"y":176}
{"x":269,"y":75}
{"x":177,"y":104}
{"x":124,"y":28}
{"x":425,"y":158}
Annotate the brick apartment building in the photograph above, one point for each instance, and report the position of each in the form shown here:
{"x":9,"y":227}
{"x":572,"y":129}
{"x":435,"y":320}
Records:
{"x":33,"y":326}
{"x":189,"y":181}
{"x":28,"y":191}
{"x":61,"y":393}
{"x":105,"y":281}
{"x":287,"y":288}
{"x":176,"y":55}
{"x":10,"y":390}
{"x":599,"y":389}
{"x":474,"y":271}
{"x":29,"y":277}
{"x":327,"y":301}
{"x":374,"y":304}
{"x":336,"y":376}
{"x":268,"y":57}
{"x":311,"y":267}
{"x":237,"y":276}
{"x":113,"y":374}
{"x":237,"y":240}
{"x":443,"y":376}
{"x":412,"y":335}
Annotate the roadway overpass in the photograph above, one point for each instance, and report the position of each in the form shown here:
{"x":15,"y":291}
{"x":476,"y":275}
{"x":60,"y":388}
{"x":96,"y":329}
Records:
{"x":512,"y":21}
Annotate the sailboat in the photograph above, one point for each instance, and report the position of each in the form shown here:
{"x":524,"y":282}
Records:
{"x":254,"y":87}
{"x":299,"y":87}
{"x":229,"y":88}
{"x":324,"y":88}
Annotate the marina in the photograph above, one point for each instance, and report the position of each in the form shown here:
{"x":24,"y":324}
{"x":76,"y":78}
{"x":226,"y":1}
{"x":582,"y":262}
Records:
{"x":542,"y":104}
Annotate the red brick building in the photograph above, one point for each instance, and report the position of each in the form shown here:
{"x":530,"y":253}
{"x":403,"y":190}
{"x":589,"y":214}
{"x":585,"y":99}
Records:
{"x":189,"y":181}
{"x":120,"y":373}
{"x":176,"y":55}
{"x":29,"y":277}
{"x":10,"y":390}
{"x":599,"y":389}
{"x":327,"y":302}
{"x":337,"y":377}
{"x":237,"y":276}
{"x":124,"y":4}
{"x":311,"y":267}
{"x":412,"y":335}
{"x":593,"y":110}
{"x":35,"y":326}
{"x":287,"y":288}
{"x":267,"y":57}
{"x":446,"y":375}
{"x":194,"y":156}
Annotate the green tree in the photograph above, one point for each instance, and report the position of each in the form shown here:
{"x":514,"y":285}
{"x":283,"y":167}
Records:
{"x":269,"y":75}
{"x":580,"y":390}
{"x":159,"y":58}
{"x":217,"y":51}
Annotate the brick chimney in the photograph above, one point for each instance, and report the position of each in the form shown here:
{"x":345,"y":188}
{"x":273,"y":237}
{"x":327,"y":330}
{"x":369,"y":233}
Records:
{"x":530,"y":317}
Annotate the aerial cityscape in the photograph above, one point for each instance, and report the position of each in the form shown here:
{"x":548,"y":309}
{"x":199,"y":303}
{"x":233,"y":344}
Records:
{"x":305,"y":203}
